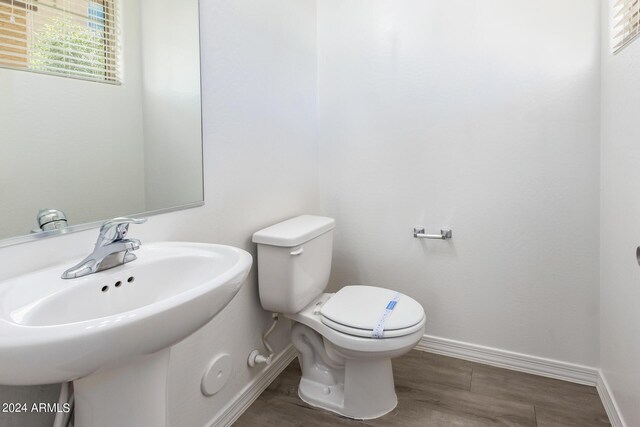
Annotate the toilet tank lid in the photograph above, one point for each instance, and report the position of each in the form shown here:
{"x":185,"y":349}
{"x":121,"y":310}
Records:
{"x":294,"y":231}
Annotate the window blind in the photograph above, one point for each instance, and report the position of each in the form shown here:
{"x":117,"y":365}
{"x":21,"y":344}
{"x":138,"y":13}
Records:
{"x":626,"y":22}
{"x":71,"y":38}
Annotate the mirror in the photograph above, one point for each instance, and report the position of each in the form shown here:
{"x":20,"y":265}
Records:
{"x":100,"y":112}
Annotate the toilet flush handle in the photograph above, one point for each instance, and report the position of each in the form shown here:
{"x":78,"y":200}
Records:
{"x":297,"y":251}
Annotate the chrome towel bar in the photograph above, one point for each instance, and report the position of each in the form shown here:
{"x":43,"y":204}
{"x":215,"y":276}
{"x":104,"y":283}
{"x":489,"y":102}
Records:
{"x":445,"y":233}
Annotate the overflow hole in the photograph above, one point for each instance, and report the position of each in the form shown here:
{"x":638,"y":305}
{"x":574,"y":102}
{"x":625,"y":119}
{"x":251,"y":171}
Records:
{"x":118,"y":283}
{"x":130,"y":279}
{"x":105,"y":288}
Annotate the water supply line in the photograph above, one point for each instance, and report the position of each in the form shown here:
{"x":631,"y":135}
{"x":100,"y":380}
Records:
{"x":255,"y":358}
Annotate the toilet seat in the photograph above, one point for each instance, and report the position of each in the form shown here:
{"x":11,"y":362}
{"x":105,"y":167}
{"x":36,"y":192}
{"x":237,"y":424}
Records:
{"x":364,"y":333}
{"x":355,"y":310}
{"x":311,"y":317}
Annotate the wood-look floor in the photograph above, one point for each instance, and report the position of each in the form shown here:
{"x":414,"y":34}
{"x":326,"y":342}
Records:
{"x":441,"y":391}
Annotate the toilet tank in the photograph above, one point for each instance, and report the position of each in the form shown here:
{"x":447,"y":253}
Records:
{"x":294,"y":262}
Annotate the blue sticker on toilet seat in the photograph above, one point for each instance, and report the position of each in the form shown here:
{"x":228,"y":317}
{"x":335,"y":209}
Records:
{"x":378,"y":331}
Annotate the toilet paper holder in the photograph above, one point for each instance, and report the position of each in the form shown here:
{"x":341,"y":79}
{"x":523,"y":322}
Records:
{"x":419,"y":233}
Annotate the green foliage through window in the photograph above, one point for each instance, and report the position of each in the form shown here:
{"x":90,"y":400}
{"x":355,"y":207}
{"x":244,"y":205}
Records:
{"x":71,"y":48}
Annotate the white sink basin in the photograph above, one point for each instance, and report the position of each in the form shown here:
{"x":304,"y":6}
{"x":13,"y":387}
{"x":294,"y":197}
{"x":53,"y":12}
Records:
{"x":176,"y":288}
{"x":54,"y":330}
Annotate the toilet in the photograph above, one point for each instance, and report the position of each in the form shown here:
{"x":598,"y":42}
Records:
{"x":345,"y":341}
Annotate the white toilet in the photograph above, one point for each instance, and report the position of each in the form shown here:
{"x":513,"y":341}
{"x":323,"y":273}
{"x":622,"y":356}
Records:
{"x":345,"y":340}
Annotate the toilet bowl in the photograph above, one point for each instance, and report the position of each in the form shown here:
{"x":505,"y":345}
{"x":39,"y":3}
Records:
{"x":349,"y":373}
{"x":345,"y":341}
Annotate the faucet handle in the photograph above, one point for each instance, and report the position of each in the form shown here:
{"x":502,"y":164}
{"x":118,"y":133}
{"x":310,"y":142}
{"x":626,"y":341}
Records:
{"x":121,"y":227}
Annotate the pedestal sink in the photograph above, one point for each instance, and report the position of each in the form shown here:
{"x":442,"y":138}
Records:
{"x":110,"y":332}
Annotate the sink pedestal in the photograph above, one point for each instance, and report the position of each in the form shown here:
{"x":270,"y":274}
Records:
{"x":131,"y":395}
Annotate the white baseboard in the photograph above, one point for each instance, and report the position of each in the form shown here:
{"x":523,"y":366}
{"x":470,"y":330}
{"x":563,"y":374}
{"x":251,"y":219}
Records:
{"x":253,"y":390}
{"x":609,"y":402}
{"x":510,"y":360}
{"x":529,"y":364}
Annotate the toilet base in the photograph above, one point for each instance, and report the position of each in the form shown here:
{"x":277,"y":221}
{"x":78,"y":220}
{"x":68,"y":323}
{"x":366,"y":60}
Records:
{"x":367,"y":393}
{"x":358,"y":388}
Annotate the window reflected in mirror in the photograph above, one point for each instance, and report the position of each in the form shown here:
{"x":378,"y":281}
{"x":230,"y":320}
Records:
{"x":71,"y":38}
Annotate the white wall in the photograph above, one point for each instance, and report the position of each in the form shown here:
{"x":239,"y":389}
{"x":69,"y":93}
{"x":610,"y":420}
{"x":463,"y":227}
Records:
{"x":260,"y":156}
{"x":480,"y":115}
{"x":53,"y":157}
{"x":620,"y":224}
{"x":171,"y":103}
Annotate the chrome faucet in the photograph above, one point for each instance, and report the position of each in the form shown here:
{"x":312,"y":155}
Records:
{"x":112,"y":248}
